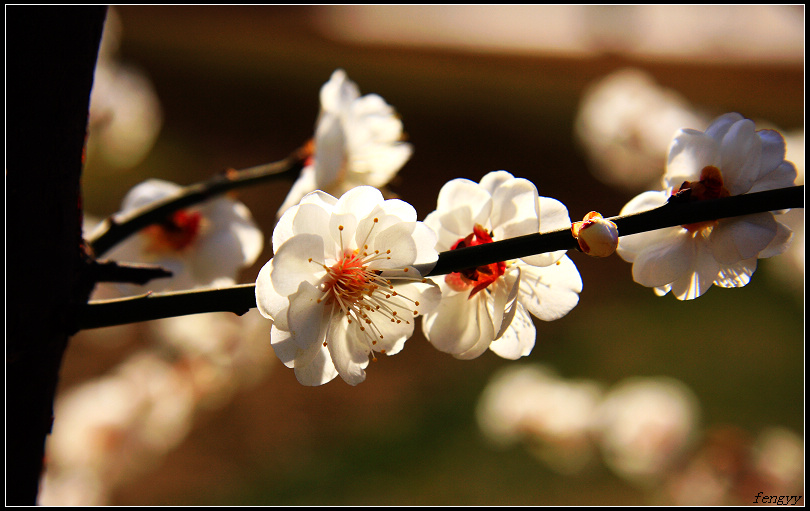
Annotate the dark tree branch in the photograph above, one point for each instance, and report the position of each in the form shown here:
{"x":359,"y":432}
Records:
{"x":673,"y":213}
{"x":240,"y":299}
{"x":237,"y":299}
{"x":50,"y":57}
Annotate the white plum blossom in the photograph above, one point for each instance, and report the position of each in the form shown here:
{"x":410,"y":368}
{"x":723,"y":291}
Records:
{"x":729,"y":158}
{"x":345,"y":282}
{"x":203,"y":246}
{"x":490,"y":306}
{"x":358,"y":141}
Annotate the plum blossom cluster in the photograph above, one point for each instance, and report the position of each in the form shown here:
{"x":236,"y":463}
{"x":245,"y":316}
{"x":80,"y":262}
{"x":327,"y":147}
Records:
{"x":327,"y":281}
{"x":350,"y":274}
{"x":346,"y":280}
{"x":347,"y":277}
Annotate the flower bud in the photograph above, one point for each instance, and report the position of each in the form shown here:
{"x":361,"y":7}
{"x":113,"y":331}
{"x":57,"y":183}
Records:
{"x":596,"y":236}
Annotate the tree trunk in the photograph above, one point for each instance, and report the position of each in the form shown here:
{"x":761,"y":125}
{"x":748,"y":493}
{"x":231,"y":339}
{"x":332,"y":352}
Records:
{"x":50,"y":58}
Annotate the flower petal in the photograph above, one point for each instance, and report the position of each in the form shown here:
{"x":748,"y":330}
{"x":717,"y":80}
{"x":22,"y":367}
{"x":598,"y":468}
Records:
{"x":270,"y":303}
{"x":740,"y":156}
{"x":283,"y":346}
{"x":297,"y":261}
{"x":780,"y":243}
{"x":735,"y":239}
{"x":689,"y":152}
{"x":215,"y":255}
{"x":700,"y":275}
{"x":330,"y":150}
{"x":486,"y":330}
{"x":459,"y":325}
{"x":514,"y":209}
{"x":773,"y":150}
{"x":519,"y":339}
{"x":303,"y":185}
{"x":426,"y":253}
{"x":550,"y":292}
{"x":313,"y":366}
{"x":553,"y":216}
{"x":720,"y":126}
{"x":338,"y":93}
{"x":504,"y":302}
{"x":493,"y":180}
{"x":352,"y":206}
{"x":630,"y":246}
{"x":249,"y":237}
{"x":232,"y":240}
{"x":667,"y":260}
{"x":445,"y":238}
{"x":149,"y":192}
{"x":313,"y":219}
{"x":736,"y":275}
{"x":348,"y":353}
{"x":399,"y":241}
{"x":463,"y":203}
{"x":307,"y":315}
{"x":284,"y":227}
{"x":782,"y":176}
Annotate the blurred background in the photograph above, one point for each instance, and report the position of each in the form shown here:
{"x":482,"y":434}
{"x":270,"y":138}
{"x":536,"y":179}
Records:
{"x":583,"y":101}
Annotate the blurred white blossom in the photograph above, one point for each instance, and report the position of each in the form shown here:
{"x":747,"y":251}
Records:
{"x":358,"y":141}
{"x":113,"y":428}
{"x":645,"y":425}
{"x":203,"y":246}
{"x":625,"y":123}
{"x":220,"y":352}
{"x":732,"y":467}
{"x":125,"y":113}
{"x":779,"y":458}
{"x":552,"y":416}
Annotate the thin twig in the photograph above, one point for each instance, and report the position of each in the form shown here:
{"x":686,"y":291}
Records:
{"x":240,"y":299}
{"x":237,"y":299}
{"x":119,"y":227}
{"x":132,"y":273}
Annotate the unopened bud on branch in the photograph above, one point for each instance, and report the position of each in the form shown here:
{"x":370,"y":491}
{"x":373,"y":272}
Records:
{"x":596,"y":236}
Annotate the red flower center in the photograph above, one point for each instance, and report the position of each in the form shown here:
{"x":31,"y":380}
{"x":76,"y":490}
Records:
{"x":175,"y":233}
{"x":476,"y":278}
{"x":349,"y":279}
{"x":710,"y":186}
